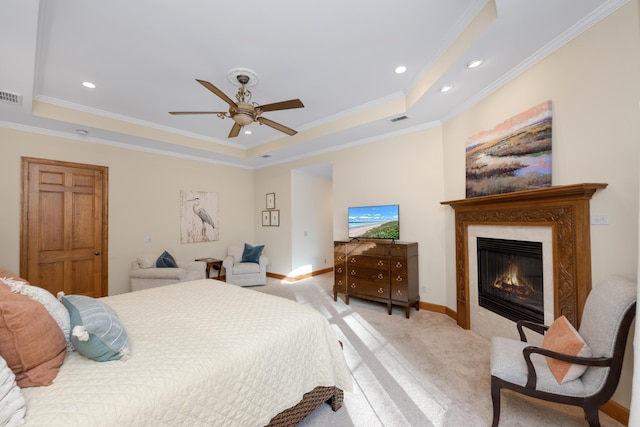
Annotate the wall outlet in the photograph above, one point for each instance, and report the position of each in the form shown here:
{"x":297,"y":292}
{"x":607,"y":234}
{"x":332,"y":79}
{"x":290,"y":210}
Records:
{"x":600,"y":219}
{"x":147,"y":239}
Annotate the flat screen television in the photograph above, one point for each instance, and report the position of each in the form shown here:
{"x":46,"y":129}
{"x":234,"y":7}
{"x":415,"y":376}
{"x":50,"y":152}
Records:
{"x":374,"y":222}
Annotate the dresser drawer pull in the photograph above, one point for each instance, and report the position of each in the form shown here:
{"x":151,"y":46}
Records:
{"x":353,"y":285}
{"x":398,"y":264}
{"x":339,"y":270}
{"x":380,"y":262}
{"x":399,"y":279}
{"x":339,"y":258}
{"x":380,"y":276}
{"x":380,"y":291}
{"x":353,"y":260}
{"x":353,"y":272}
{"x":399,"y":292}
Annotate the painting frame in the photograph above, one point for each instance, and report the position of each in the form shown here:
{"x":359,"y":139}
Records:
{"x":514,"y":155}
{"x":275,"y":217}
{"x":271,"y":200}
{"x":266,"y":218}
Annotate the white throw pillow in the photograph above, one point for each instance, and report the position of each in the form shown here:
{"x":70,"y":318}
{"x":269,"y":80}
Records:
{"x":12,"y":403}
{"x":44,"y":297}
{"x":147,"y":261}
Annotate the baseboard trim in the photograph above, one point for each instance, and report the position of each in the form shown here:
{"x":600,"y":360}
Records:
{"x":611,"y":408}
{"x":436,"y":308}
{"x":616,"y":411}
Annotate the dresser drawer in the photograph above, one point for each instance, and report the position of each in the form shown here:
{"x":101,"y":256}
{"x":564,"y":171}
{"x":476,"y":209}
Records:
{"x":400,"y":293}
{"x":339,"y":258}
{"x":371,"y":274}
{"x":339,"y":269}
{"x":356,"y":286}
{"x":365,"y":261}
{"x":339,"y":283}
{"x":399,"y":277}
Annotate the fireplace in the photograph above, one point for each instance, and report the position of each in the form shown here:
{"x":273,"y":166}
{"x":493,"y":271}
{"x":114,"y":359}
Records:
{"x":510,"y":279}
{"x":565,"y":209}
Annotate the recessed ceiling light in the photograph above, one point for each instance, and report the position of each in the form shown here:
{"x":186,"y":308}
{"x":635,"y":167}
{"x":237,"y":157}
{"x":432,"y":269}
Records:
{"x":82,"y":132}
{"x":400,"y":69}
{"x":474,"y":63}
{"x":266,"y":156}
{"x":446,"y":88}
{"x":89,"y":85}
{"x":247,"y":132}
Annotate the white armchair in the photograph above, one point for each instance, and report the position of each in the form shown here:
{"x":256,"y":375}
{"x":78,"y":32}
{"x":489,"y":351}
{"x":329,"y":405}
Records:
{"x":144,"y":274}
{"x":244,"y":273}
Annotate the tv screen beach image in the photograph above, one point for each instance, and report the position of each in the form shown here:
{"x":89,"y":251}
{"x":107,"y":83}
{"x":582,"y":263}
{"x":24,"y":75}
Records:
{"x":374,"y":222}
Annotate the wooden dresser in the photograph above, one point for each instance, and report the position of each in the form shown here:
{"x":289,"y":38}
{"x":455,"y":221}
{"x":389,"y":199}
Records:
{"x":381,"y":270}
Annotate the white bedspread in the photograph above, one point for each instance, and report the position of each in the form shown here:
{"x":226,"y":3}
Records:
{"x":203,"y":353}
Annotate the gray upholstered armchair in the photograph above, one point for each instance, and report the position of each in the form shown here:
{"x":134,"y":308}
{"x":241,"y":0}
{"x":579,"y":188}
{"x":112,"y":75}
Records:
{"x":245,"y":273}
{"x":144,"y":274}
{"x":607,"y":316}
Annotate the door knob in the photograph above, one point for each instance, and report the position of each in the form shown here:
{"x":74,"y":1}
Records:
{"x":96,"y":253}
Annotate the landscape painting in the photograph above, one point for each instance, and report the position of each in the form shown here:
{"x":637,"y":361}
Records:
{"x":198,"y":216}
{"x":513,"y":156}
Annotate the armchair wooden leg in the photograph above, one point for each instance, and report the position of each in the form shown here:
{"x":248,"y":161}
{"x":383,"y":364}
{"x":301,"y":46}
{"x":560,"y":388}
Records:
{"x":592,"y":416}
{"x":495,"y":398}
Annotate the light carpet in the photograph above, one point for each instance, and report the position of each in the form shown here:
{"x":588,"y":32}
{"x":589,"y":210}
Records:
{"x":422,"y":371}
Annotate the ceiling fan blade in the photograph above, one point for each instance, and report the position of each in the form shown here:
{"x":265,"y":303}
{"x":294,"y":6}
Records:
{"x":284,"y":105}
{"x":235,"y":130}
{"x":277,"y":126}
{"x":177,"y":113}
{"x":218,"y":92}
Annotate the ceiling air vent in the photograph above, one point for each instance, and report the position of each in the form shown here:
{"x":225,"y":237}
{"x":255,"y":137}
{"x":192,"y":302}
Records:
{"x":10,"y":97}
{"x":397,"y":119}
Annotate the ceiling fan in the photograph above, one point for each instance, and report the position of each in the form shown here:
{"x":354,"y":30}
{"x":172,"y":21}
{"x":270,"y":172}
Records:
{"x":244,"y":112}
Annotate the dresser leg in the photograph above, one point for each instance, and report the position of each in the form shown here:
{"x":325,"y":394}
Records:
{"x":389,"y":308}
{"x":406,"y":314}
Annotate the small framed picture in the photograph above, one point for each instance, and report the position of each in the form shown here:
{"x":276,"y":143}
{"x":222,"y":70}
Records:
{"x":271,"y":200}
{"x":266,"y":218}
{"x":275,"y":217}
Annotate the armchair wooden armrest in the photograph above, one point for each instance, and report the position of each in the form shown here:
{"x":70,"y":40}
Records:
{"x":536,"y":327}
{"x":532,"y":378}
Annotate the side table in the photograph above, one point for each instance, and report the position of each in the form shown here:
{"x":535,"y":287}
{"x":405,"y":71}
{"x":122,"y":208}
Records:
{"x":214,"y":263}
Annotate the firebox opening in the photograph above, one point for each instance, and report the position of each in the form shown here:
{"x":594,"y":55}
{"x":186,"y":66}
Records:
{"x":510,"y":281}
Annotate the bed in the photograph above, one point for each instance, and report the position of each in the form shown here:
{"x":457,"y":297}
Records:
{"x":202,"y":353}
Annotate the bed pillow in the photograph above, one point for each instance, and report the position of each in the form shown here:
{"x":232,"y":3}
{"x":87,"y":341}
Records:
{"x":31,"y":341}
{"x":12,"y":403}
{"x":96,"y":331}
{"x":166,"y":261}
{"x":251,"y":253}
{"x":562,"y":337}
{"x":44,"y":297}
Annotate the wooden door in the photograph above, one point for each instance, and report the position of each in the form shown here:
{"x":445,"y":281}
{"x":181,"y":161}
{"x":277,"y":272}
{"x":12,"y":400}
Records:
{"x":64,"y":227}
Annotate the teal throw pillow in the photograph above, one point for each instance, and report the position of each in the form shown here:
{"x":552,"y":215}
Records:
{"x":166,"y":261}
{"x":96,"y":331}
{"x":251,"y":253}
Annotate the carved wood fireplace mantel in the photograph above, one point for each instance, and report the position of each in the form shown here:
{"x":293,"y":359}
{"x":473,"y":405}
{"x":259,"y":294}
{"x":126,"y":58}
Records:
{"x":564,"y":208}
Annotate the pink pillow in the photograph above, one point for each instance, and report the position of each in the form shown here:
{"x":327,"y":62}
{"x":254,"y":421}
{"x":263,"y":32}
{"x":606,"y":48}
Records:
{"x":563,"y":338}
{"x":31,"y":341}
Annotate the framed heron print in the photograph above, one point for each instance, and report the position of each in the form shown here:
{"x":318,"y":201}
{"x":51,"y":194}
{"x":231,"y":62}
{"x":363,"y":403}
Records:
{"x":198,"y":216}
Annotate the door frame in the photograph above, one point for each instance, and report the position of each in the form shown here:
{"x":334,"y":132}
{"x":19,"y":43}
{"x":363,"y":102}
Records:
{"x":24,"y":195}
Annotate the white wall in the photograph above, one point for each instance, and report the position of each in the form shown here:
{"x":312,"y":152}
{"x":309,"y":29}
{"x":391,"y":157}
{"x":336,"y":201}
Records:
{"x":312,"y":223}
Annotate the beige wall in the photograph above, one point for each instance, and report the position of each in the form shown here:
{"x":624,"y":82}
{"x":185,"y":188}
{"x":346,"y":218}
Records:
{"x":144,"y":192}
{"x":594,"y":84}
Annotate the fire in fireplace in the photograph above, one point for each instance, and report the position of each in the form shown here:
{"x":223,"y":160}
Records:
{"x":510,"y":281}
